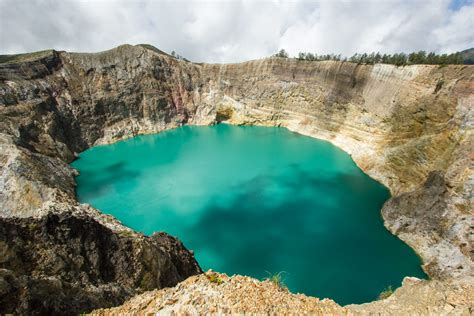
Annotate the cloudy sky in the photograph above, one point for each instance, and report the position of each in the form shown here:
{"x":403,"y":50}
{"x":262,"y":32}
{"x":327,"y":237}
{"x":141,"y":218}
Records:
{"x":236,"y":30}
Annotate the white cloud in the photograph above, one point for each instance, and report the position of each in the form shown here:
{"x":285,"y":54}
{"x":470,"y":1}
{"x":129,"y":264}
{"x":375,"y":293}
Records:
{"x":230,"y":31}
{"x":458,"y":31}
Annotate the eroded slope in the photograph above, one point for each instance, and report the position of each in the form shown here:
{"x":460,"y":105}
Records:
{"x":408,"y":127}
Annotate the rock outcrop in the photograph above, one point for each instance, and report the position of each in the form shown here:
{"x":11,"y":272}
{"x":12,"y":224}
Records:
{"x":65,"y":264}
{"x":409,"y":127}
{"x":219,"y":294}
{"x":243,"y":295}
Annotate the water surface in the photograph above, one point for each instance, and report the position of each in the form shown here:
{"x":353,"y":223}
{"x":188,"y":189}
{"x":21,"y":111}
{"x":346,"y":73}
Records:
{"x":253,"y":200}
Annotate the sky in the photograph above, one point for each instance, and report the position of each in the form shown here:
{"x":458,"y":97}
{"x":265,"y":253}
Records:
{"x":238,"y":30}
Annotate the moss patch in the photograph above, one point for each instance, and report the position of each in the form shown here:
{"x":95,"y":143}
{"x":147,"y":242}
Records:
{"x":224,"y":114}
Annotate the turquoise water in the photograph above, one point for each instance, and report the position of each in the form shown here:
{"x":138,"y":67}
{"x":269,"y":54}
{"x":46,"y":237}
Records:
{"x":253,"y":200}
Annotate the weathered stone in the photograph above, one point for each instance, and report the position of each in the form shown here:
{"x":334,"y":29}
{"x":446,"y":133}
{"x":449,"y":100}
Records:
{"x":64,"y":264}
{"x":398,"y":123}
{"x":243,"y":295}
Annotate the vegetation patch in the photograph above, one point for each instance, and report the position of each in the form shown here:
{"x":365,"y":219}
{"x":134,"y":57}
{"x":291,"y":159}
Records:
{"x":398,"y":59}
{"x":439,"y":85}
{"x":277,"y":279}
{"x":214,"y":278}
{"x":126,"y":233}
{"x":224,"y":114}
{"x":386,"y":293}
{"x":8,"y":59}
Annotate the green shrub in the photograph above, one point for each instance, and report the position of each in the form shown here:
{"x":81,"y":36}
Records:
{"x":439,"y":85}
{"x":386,"y":293}
{"x":126,"y":233}
{"x":214,"y":278}
{"x":277,"y":279}
{"x":282,"y":54}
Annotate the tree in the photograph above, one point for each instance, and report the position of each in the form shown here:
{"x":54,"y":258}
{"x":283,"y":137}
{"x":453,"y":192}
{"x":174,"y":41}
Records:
{"x":443,"y":59}
{"x":355,"y":58}
{"x":370,"y":59}
{"x":282,"y":53}
{"x":431,"y":58}
{"x":417,"y":57}
{"x":310,"y":57}
{"x":398,"y":59}
{"x":421,"y":57}
{"x":301,"y":56}
{"x":377,"y":58}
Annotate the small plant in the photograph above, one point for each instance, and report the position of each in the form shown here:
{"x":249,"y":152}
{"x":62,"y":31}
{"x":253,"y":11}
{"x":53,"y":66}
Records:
{"x":32,"y":226}
{"x":439,"y":85}
{"x":386,"y":293}
{"x":126,"y":233}
{"x":214,"y":278}
{"x":277,"y":279}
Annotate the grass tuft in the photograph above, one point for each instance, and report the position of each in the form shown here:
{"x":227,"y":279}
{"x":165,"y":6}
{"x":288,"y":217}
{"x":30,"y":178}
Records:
{"x":214,"y":278}
{"x":277,"y":279}
{"x":386,"y":293}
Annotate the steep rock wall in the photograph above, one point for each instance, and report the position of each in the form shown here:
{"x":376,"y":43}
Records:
{"x":64,"y":264}
{"x":408,"y":127}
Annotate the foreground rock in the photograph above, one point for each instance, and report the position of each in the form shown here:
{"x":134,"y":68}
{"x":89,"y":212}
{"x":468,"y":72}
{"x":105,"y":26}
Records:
{"x":64,"y":264}
{"x":219,"y":294}
{"x":417,"y":297}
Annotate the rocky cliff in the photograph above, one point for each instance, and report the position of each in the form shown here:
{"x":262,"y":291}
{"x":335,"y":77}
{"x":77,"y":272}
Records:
{"x":408,"y":127}
{"x":64,"y":264}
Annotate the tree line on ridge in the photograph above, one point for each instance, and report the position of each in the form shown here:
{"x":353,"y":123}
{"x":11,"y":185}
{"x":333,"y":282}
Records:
{"x":398,"y":59}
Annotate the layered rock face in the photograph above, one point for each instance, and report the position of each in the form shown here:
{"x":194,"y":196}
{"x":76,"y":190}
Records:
{"x":56,"y":255}
{"x":408,"y":127}
{"x":69,"y":264}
